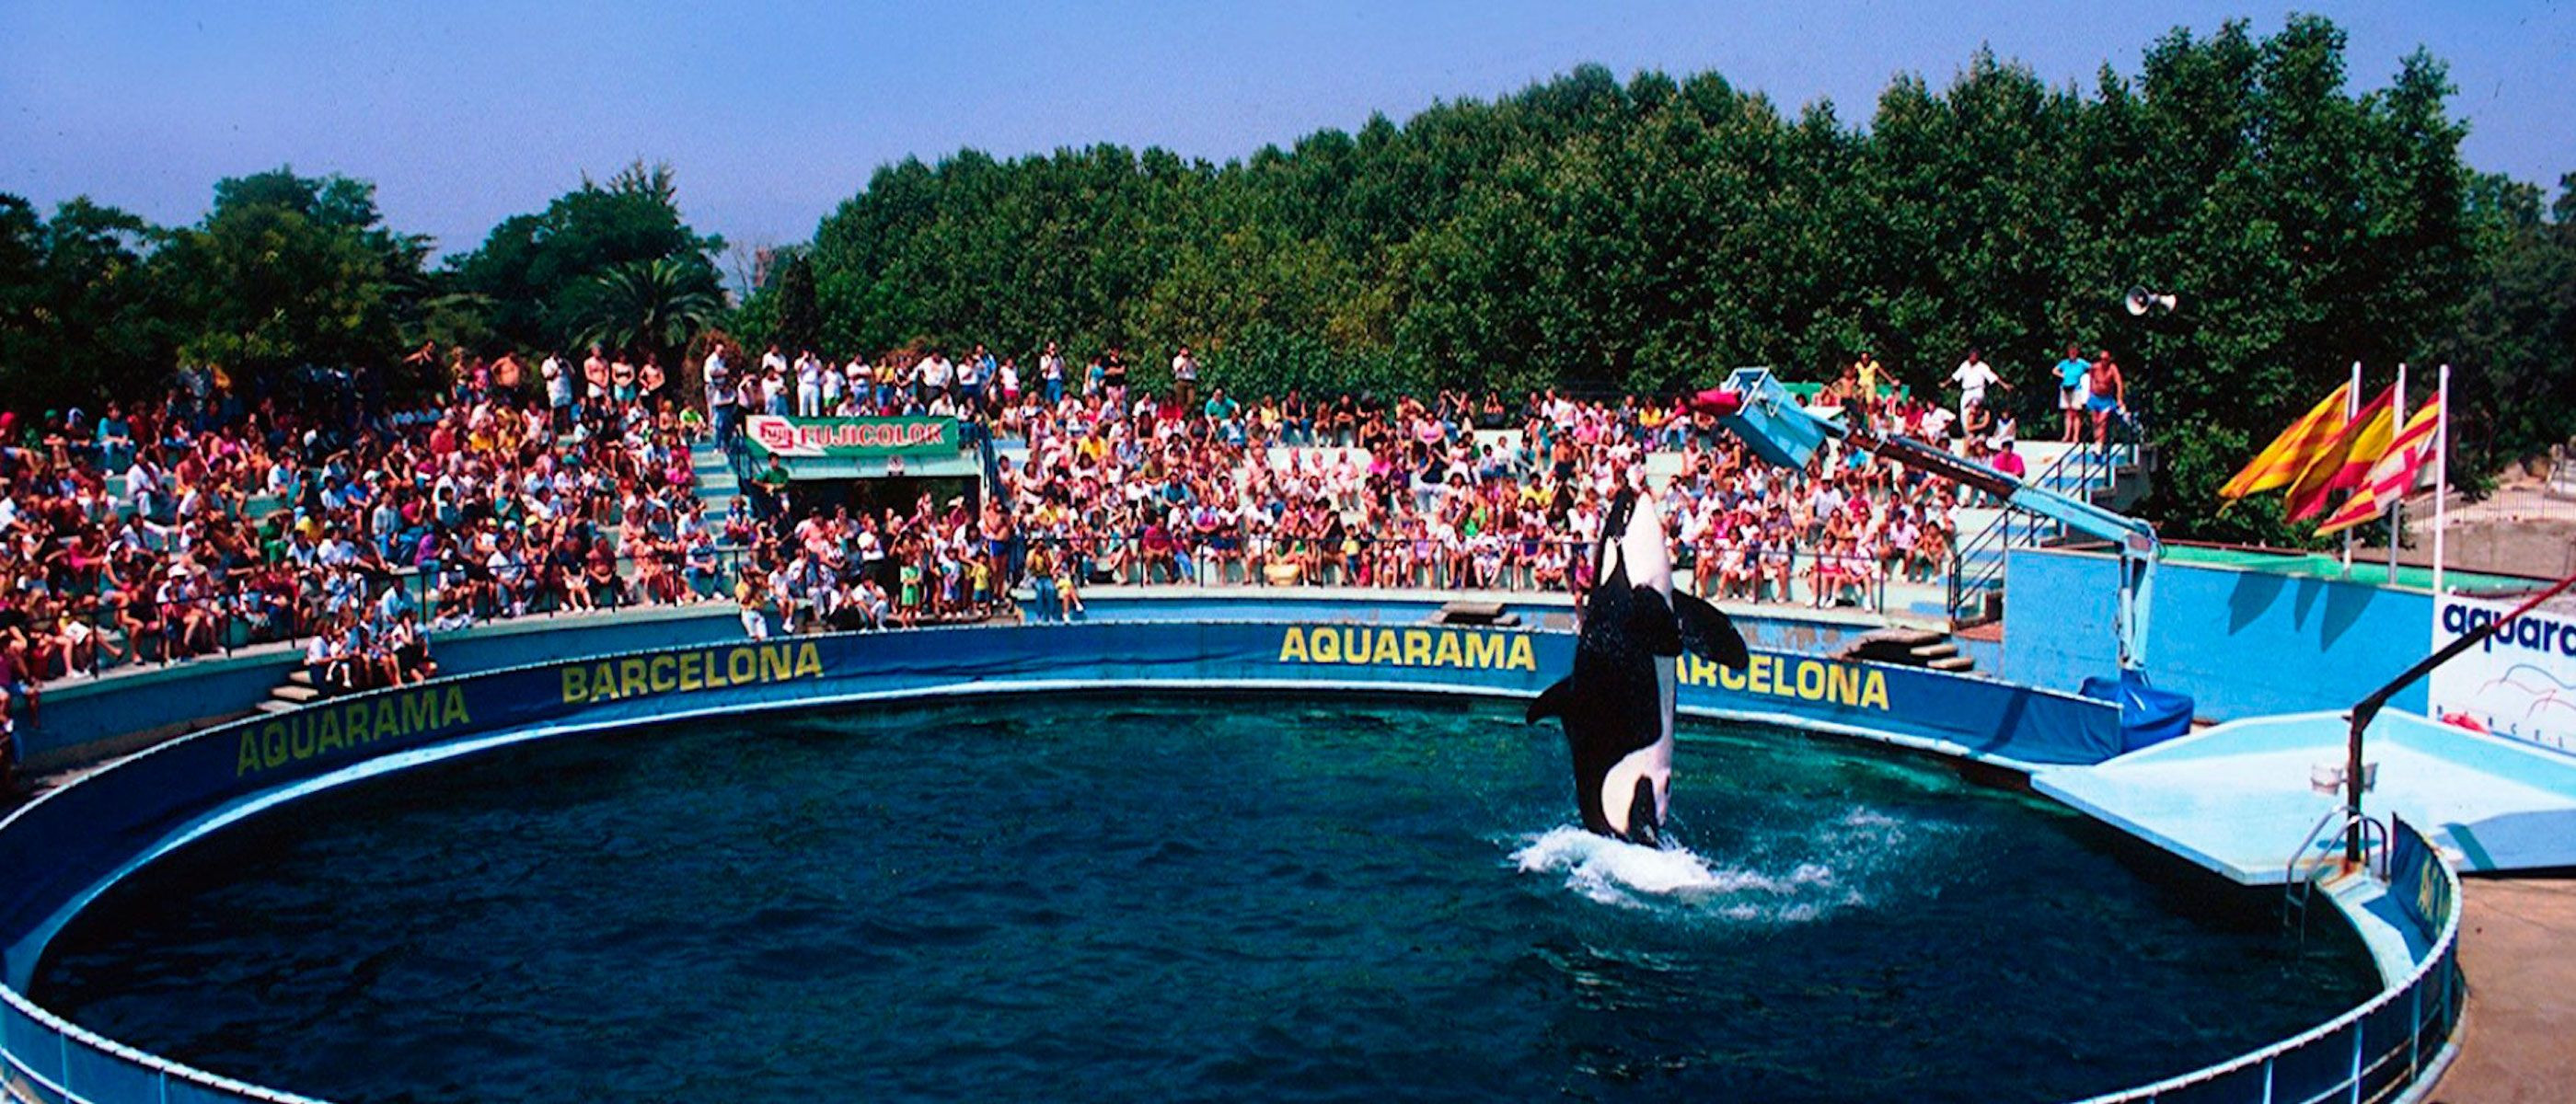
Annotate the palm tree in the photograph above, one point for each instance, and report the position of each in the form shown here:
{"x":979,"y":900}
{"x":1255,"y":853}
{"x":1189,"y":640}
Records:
{"x":656,"y":305}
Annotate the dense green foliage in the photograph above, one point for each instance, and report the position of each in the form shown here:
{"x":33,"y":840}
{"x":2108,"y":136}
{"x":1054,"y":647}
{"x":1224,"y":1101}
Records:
{"x":77,"y":309}
{"x":611,"y":263}
{"x":1647,"y":236}
{"x":1583,"y":233}
{"x":2514,"y":382}
{"x":288,"y":271}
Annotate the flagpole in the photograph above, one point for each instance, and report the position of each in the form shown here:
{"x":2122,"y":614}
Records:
{"x":2441,"y":476}
{"x":2397,"y":505}
{"x":2351,"y":407}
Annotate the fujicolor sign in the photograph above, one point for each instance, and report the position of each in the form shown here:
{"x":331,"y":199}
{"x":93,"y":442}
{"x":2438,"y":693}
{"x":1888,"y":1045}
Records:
{"x":850,"y":436}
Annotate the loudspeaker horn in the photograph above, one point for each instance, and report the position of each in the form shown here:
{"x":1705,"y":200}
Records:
{"x":2139,"y":301}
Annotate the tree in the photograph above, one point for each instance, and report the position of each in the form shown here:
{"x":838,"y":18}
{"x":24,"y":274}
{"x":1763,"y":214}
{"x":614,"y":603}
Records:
{"x":653,"y":305}
{"x":2514,"y":381}
{"x":1583,"y":232}
{"x":535,"y":274}
{"x":78,"y":320}
{"x":287,"y":272}
{"x":800,"y":320}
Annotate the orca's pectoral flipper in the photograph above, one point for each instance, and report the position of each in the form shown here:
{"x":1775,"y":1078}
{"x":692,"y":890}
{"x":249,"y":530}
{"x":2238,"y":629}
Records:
{"x":1555,"y":701}
{"x":1651,"y":623}
{"x":1708,"y":633}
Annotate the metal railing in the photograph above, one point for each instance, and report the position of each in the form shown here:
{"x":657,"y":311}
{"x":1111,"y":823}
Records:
{"x":1977,"y":569}
{"x":445,"y":596}
{"x":2369,"y":1055}
{"x":2299,"y":887}
{"x":457,"y":592}
{"x":1771,"y":576}
{"x":88,"y":1067}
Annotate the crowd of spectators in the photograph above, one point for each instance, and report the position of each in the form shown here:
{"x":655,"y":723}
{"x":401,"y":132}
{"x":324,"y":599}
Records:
{"x":210,"y":520}
{"x":1102,"y":481}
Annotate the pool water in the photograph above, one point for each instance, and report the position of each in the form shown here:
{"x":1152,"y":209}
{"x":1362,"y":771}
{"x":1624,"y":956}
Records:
{"x":1178,"y":899}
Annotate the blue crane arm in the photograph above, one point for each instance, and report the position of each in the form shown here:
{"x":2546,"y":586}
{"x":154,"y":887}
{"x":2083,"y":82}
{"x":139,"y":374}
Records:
{"x":1770,"y":421}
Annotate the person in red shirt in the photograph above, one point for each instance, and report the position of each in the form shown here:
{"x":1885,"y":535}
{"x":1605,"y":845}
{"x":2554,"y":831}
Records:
{"x":2010,"y":462}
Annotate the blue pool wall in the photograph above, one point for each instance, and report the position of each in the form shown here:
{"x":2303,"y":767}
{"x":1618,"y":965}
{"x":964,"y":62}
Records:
{"x":2241,"y":643}
{"x":85,"y":721}
{"x":68,"y":845}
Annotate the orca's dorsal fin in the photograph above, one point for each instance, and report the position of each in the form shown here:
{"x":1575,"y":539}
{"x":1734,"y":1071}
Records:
{"x":1651,"y":624}
{"x":1708,"y":633}
{"x":1555,"y":701}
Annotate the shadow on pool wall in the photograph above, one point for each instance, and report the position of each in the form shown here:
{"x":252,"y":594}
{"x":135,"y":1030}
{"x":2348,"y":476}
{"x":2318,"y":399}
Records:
{"x":65,"y":847}
{"x":2241,"y":643}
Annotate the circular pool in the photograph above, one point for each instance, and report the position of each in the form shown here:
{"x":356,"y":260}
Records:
{"x":1177,"y":897}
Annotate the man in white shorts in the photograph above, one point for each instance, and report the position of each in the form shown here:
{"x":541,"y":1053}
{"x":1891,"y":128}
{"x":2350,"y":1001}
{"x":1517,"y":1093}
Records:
{"x":1974,"y":376}
{"x":2071,"y":393}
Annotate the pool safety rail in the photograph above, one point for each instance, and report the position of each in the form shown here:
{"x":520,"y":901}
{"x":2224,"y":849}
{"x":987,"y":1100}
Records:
{"x":59,"y":851}
{"x":2386,"y":1050}
{"x":45,"y":1059}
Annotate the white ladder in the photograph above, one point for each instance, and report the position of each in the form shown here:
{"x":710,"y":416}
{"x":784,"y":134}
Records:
{"x":2299,"y":886}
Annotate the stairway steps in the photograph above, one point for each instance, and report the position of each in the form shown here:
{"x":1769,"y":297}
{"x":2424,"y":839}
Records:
{"x":295,"y":695}
{"x":1988,"y":533}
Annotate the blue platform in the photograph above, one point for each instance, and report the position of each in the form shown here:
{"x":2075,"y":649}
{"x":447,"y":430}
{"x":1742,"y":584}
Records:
{"x":2239,"y":798}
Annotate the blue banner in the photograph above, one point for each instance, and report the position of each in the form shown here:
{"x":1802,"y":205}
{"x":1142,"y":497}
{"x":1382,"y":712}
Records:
{"x":2415,"y":879}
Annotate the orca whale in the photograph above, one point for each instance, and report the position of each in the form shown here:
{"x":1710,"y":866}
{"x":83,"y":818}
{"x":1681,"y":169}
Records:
{"x":1617,"y":705}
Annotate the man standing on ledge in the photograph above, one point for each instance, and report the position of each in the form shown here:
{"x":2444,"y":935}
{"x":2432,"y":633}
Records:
{"x":772,"y":483}
{"x":1871,"y":375}
{"x":1185,"y":377}
{"x":2109,"y":395}
{"x":2070,"y":394}
{"x":1974,"y":376}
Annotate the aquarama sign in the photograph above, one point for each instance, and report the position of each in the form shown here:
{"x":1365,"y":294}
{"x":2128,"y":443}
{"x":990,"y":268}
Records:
{"x":2521,"y":682}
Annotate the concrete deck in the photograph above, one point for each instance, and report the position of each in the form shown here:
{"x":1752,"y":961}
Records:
{"x":2239,"y":798}
{"x":2518,"y":1041}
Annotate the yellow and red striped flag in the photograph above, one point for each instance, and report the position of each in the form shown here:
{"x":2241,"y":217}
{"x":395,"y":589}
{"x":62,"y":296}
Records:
{"x":2393,"y":475}
{"x":2344,"y":462}
{"x":2280,"y":462}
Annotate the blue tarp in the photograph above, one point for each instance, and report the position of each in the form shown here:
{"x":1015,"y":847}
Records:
{"x":2148,"y":716}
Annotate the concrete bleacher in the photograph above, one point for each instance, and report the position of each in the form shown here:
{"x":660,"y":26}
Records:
{"x":1981,"y":551}
{"x":718,"y":486}
{"x":1911,"y":603}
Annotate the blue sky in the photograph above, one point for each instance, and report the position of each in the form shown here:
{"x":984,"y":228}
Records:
{"x":466,"y":112}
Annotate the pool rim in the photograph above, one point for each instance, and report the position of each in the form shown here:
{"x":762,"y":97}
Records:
{"x":2442,"y":955}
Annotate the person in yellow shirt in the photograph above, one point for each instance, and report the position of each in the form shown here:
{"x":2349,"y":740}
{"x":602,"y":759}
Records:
{"x":979,"y":571}
{"x":1872,"y":376}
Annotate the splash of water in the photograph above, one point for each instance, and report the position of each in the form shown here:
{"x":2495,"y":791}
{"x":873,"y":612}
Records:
{"x":1628,"y":875}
